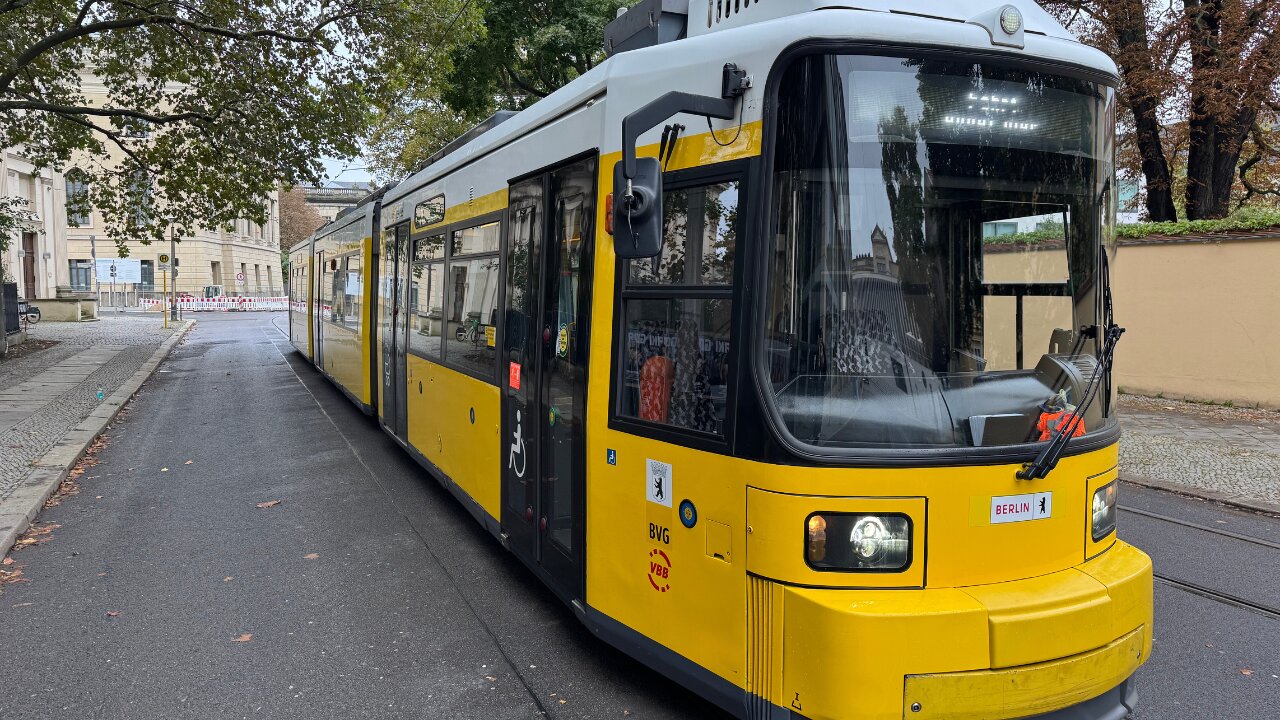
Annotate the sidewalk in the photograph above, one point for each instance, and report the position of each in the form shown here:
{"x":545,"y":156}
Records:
{"x":51,"y":396}
{"x":1220,"y":453}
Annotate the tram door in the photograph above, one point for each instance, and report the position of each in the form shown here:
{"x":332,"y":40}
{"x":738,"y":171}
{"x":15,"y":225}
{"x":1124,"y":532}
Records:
{"x":318,"y":308}
{"x":393,"y":325}
{"x":544,"y":372}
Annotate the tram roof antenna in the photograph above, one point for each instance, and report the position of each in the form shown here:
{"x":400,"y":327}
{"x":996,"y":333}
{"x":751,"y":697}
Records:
{"x":647,"y":23}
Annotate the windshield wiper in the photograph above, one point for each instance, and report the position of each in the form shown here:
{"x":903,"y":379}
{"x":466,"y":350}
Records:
{"x":1048,"y":458}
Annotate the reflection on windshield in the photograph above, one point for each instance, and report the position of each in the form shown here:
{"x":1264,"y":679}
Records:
{"x":936,"y":235}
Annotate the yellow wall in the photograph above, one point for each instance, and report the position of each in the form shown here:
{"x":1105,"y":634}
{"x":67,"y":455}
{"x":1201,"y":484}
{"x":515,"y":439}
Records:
{"x":1202,"y":320}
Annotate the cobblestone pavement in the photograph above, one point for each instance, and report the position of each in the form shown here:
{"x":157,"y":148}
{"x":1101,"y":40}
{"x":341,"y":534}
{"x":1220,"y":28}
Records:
{"x":46,"y":394}
{"x":1230,"y":452}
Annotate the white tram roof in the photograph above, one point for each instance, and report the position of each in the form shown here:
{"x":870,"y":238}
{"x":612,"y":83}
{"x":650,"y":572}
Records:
{"x":753,"y":38}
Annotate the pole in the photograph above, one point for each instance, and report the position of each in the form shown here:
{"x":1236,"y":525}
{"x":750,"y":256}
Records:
{"x":164,"y":293}
{"x":173,"y":260}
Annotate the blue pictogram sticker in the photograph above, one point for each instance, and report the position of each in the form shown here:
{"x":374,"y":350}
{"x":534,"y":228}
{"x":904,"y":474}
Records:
{"x":613,"y":457}
{"x":688,"y":513}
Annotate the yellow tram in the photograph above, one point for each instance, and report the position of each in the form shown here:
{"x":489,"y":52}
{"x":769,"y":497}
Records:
{"x":778,"y":346}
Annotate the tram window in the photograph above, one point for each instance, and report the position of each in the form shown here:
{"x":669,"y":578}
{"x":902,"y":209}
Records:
{"x":1032,"y":251}
{"x":699,"y":234}
{"x":675,"y":364}
{"x":676,"y":370}
{"x":352,"y":282}
{"x":473,"y":307}
{"x":475,"y":240}
{"x":426,"y":297}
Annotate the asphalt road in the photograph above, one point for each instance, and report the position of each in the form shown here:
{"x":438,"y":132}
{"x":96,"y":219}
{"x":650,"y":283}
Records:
{"x":165,"y":592}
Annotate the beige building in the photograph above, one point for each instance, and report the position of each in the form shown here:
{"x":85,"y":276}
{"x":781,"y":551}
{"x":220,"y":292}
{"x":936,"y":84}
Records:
{"x":36,"y":258}
{"x":336,"y":197}
{"x":240,"y":260}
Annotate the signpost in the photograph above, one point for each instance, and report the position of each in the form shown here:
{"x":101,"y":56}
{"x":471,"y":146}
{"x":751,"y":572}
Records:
{"x":164,"y":266}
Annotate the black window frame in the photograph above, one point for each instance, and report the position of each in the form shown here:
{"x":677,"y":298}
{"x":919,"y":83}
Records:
{"x":730,"y":171}
{"x":446,"y":261}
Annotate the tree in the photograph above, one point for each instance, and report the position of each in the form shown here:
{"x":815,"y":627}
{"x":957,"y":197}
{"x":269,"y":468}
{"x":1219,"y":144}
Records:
{"x":298,"y":218}
{"x":521,"y":52}
{"x":207,"y":105}
{"x":1201,"y":94}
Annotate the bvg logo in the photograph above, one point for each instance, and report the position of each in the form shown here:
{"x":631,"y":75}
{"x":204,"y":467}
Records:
{"x":659,"y":570}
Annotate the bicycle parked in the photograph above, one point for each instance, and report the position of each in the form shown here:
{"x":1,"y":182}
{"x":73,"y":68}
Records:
{"x":28,"y":314}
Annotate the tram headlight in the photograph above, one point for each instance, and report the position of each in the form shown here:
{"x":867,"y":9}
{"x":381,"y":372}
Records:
{"x":846,"y":541}
{"x":1104,"y":511}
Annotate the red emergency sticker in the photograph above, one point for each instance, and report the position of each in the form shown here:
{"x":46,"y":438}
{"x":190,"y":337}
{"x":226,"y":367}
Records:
{"x":513,"y":378}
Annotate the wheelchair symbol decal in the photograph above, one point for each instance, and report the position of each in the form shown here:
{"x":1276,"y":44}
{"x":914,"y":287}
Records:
{"x":518,"y":449}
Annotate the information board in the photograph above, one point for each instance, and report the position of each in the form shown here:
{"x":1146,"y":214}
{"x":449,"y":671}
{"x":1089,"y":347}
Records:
{"x":119,"y":270}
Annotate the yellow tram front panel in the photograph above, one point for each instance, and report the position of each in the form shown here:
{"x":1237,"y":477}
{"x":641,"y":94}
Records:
{"x":735,"y":595}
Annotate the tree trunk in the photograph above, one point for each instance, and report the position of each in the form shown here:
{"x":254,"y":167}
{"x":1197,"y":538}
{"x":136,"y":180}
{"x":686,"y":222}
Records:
{"x":1203,"y":124}
{"x":1229,"y":144}
{"x":1134,"y":57}
{"x":1155,"y":168}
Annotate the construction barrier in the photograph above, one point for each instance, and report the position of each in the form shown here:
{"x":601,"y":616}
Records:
{"x":221,"y":304}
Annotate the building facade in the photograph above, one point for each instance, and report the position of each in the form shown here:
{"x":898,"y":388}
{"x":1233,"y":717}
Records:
{"x":336,"y":197}
{"x":36,"y":256}
{"x":240,"y":260}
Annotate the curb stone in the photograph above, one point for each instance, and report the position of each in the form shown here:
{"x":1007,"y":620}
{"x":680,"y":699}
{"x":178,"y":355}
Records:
{"x":1237,"y":501}
{"x":47,"y":473}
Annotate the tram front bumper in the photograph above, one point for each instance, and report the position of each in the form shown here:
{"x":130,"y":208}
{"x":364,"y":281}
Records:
{"x":1061,"y":645}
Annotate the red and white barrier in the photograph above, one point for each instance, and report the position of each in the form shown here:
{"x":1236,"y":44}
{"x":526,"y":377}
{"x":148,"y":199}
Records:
{"x":222,"y":304}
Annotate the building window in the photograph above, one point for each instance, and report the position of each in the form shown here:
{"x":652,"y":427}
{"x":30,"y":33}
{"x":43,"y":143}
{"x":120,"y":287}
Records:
{"x":148,"y":283}
{"x":677,"y":310}
{"x":215,"y":271}
{"x":78,"y":210}
{"x":81,"y":272}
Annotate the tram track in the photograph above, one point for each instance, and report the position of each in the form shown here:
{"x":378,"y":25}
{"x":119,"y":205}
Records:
{"x":1200,"y":589}
{"x":1202,"y":527}
{"x":1218,"y":596}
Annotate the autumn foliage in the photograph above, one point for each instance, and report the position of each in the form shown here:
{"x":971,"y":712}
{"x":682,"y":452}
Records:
{"x":1201,"y":96}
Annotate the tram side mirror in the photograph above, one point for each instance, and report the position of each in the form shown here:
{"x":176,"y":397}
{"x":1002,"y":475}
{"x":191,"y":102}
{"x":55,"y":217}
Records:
{"x":637,"y":215}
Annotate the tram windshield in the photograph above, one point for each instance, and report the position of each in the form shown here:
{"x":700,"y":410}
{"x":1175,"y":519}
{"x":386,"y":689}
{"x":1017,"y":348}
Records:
{"x":937,"y":229}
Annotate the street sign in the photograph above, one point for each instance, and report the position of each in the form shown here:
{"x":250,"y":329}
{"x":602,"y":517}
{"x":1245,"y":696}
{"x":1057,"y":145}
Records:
{"x":239,"y":278}
{"x":163,"y":263}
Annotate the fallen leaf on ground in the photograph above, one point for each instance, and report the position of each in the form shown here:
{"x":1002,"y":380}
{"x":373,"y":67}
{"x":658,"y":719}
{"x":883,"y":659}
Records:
{"x":113,"y":613}
{"x":164,"y":469}
{"x":7,"y":561}
{"x":244,"y":637}
{"x":188,"y":462}
{"x":563,"y":701}
{"x":490,"y":678}
{"x":35,"y":535}
{"x":228,"y":578}
{"x":1246,"y":672}
{"x":12,"y":576}
{"x":311,"y":556}
{"x":269,"y":503}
